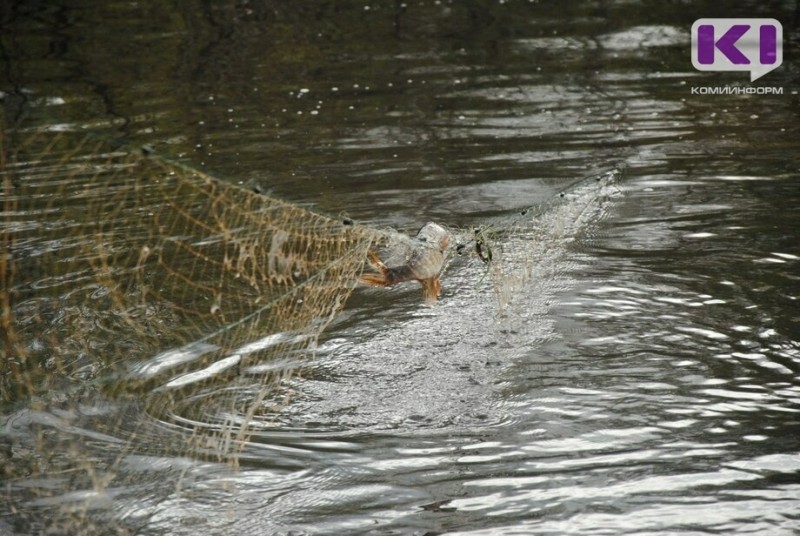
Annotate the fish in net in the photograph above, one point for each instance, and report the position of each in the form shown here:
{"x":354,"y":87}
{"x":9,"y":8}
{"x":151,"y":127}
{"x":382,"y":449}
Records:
{"x":151,"y":309}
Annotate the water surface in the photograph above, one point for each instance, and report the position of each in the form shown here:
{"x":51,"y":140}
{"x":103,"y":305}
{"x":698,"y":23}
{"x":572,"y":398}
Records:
{"x":642,"y":379}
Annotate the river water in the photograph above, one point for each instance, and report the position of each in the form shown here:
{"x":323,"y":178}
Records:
{"x":645,"y":379}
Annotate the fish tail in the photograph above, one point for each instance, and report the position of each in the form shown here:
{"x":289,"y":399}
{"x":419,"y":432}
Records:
{"x":385,"y":277}
{"x":381,"y":279}
{"x":374,"y":280}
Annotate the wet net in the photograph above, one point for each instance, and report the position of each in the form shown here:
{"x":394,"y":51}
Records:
{"x":151,"y":310}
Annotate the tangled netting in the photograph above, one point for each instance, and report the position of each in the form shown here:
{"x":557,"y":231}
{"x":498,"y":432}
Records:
{"x":149,"y":306}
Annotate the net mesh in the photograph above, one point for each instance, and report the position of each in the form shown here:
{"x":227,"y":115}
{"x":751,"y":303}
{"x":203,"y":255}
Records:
{"x":532,"y":243}
{"x":149,"y":309}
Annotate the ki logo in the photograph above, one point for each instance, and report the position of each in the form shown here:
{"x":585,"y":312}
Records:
{"x":754,"y":45}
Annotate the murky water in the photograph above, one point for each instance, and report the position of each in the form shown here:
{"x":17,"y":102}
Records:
{"x":643,"y":379}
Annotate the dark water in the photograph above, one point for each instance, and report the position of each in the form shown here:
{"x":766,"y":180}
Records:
{"x":645,"y":380}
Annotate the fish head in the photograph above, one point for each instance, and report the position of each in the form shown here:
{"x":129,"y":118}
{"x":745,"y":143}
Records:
{"x":434,"y":234}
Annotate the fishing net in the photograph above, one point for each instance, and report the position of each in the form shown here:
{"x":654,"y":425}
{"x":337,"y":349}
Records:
{"x":151,"y":310}
{"x":532,"y":243}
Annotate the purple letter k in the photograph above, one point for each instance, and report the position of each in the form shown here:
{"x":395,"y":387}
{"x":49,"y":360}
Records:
{"x":726,"y":44}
